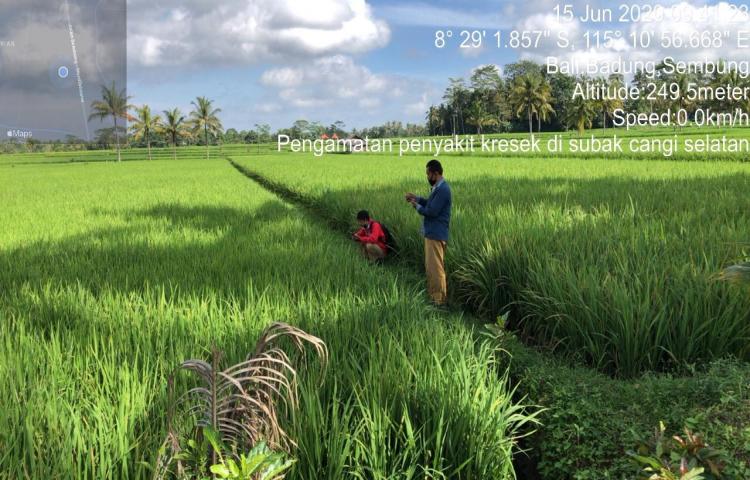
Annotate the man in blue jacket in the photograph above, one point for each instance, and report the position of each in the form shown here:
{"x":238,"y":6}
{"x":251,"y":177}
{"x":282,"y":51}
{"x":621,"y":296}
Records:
{"x":436,"y":213}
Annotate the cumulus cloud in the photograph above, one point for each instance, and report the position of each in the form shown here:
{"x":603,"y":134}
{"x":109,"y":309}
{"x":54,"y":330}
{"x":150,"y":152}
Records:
{"x":329,"y":80}
{"x":339,"y":83}
{"x":183,"y":32}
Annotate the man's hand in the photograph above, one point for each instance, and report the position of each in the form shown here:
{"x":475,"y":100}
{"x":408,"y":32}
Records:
{"x":410,"y":197}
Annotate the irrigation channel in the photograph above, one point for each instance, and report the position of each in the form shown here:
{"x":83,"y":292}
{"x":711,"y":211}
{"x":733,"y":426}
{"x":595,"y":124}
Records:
{"x":523,"y":463}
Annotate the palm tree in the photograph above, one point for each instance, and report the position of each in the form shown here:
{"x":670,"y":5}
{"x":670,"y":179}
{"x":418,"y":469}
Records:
{"x":204,"y":119}
{"x":455,"y":95}
{"x":479,"y":117}
{"x":174,"y":126}
{"x":144,"y":125}
{"x":113,"y":104}
{"x":543,"y":105}
{"x":579,"y":114}
{"x":608,"y":104}
{"x":682,"y":102}
{"x":531,"y":94}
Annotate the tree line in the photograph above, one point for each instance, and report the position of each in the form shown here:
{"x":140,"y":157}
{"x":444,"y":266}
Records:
{"x":527,"y":97}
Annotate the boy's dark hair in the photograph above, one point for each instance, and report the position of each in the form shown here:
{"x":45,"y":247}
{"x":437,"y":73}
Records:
{"x":363,"y":215}
{"x":435,"y":167}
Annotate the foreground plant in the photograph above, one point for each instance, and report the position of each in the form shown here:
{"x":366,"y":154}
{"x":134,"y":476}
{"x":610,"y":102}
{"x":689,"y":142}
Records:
{"x":680,"y":457}
{"x":235,"y":410}
{"x":260,"y":464}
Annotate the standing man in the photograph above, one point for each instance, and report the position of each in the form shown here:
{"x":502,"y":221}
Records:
{"x":436,"y":210}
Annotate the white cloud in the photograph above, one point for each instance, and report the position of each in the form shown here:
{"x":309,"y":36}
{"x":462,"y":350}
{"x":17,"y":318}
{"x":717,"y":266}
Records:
{"x":183,"y":32}
{"x":327,"y":80}
{"x":339,"y":83}
{"x":268,"y":107}
{"x":419,"y":107}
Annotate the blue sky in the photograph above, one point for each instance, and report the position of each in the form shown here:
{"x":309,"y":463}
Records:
{"x":360,"y":61}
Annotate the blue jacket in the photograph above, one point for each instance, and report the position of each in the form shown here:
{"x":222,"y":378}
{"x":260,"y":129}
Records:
{"x":436,"y":210}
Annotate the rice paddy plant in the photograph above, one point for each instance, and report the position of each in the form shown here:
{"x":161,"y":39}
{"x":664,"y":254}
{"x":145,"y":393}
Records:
{"x":611,"y":261}
{"x":110,"y":275}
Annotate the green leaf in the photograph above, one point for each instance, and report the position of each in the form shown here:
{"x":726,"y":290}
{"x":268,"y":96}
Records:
{"x":220,"y":470}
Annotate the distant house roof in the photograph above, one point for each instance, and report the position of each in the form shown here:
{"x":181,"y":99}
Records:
{"x":324,"y":136}
{"x":335,"y":137}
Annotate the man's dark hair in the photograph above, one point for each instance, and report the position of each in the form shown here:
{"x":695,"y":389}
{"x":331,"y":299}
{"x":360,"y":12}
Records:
{"x":435,"y":167}
{"x":363,"y":215}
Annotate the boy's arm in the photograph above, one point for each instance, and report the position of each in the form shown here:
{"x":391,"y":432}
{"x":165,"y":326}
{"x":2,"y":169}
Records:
{"x":375,"y":233}
{"x":359,"y":234}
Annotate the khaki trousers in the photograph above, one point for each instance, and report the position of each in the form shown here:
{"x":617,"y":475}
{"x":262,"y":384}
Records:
{"x":434,"y":264}
{"x":372,"y":252}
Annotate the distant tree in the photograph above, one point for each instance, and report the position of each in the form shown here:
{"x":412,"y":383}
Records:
{"x":174,"y":127}
{"x":542,"y":104}
{"x":204,"y":120}
{"x":529,"y":95}
{"x":338,"y":128}
{"x":264,"y":132}
{"x":580,"y":113}
{"x":683,"y":101}
{"x":144,"y":125}
{"x":486,"y":78}
{"x":107,"y":136}
{"x":561,"y":89}
{"x":608,"y":105}
{"x":642,"y":104}
{"x":434,"y":120}
{"x":488,"y":88}
{"x":457,"y":95}
{"x":522,"y":69}
{"x":232,"y":136}
{"x":113,"y":104}
{"x":479,"y":117}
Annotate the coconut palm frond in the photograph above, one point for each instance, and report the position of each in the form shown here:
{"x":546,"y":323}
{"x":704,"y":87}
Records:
{"x":241,"y":403}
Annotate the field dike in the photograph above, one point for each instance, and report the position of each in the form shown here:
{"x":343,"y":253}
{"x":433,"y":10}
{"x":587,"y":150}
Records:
{"x":592,"y":422}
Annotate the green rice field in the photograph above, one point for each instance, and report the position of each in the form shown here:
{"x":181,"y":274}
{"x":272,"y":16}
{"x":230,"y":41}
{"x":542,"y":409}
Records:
{"x":612,"y":261}
{"x":112,"y":274}
{"x":602,"y":271}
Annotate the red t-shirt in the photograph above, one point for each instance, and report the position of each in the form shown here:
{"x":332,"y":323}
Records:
{"x":373,"y":233}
